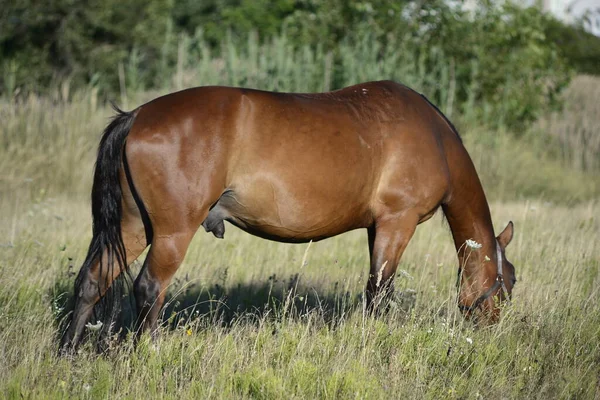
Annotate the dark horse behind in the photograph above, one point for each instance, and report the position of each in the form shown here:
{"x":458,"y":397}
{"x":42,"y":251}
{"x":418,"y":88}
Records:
{"x":290,"y":168}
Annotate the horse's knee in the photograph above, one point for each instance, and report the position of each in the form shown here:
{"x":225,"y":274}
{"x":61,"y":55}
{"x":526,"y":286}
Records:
{"x":146,"y":290}
{"x":166,"y":254}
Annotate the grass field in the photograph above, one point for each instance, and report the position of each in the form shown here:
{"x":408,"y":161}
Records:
{"x":248,"y":318}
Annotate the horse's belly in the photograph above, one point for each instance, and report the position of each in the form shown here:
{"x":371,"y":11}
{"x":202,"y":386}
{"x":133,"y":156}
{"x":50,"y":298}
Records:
{"x":289,"y":214}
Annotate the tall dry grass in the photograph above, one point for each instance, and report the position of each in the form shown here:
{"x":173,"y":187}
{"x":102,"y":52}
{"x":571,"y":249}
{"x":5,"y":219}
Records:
{"x":574,"y":132}
{"x":48,"y":143}
{"x":248,"y":318}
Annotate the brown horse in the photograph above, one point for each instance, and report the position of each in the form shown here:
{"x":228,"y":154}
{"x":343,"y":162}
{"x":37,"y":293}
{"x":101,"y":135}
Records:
{"x":290,"y":168}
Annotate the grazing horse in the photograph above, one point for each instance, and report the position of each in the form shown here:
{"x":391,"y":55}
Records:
{"x":287,"y":167}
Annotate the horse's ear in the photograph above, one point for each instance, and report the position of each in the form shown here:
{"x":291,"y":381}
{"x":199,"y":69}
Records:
{"x":506,"y":235}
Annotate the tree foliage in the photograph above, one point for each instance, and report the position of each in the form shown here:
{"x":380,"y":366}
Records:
{"x":502,"y":60}
{"x":45,"y":41}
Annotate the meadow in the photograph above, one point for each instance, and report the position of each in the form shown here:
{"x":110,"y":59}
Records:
{"x":249,"y":318}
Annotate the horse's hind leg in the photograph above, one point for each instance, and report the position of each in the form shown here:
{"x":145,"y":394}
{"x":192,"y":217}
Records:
{"x":388,"y":239}
{"x":93,"y":281}
{"x":164,"y":258}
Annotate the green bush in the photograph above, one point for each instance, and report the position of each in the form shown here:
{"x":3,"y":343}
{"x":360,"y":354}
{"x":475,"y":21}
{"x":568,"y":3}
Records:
{"x":497,"y":65}
{"x":48,"y":41}
{"x":580,"y":47}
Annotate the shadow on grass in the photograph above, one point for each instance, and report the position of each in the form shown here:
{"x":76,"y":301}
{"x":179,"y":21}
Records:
{"x":289,"y":297}
{"x":220,"y":305}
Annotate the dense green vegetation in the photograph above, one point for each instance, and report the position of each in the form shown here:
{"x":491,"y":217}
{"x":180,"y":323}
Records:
{"x":503,"y":63}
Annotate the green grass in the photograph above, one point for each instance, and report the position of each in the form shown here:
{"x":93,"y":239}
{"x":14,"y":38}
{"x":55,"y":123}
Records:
{"x":246,"y":337}
{"x":247,"y":318}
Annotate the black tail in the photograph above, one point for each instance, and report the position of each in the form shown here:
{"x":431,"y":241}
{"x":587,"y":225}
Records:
{"x":107,"y":211}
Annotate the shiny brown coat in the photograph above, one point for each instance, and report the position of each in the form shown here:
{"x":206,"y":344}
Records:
{"x":293,"y":168}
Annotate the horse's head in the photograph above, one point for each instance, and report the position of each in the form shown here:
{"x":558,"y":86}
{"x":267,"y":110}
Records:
{"x":487,"y":279}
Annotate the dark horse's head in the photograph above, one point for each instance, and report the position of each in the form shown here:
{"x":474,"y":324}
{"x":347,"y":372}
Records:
{"x":487,"y":279}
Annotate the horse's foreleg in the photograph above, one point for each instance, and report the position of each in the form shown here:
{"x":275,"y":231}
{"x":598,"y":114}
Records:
{"x":165,"y":256}
{"x":388,"y":238}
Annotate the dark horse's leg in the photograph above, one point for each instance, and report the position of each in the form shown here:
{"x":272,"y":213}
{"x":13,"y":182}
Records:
{"x":166,"y":254}
{"x":388,"y":237}
{"x":95,"y":279}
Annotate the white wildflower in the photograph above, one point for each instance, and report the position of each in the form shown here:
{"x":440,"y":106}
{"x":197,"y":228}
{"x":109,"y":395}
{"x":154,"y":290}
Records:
{"x":94,"y":327}
{"x":473,"y":244}
{"x":469,"y":340}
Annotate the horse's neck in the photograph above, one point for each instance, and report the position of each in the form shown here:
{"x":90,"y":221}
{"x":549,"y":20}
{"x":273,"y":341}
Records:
{"x":468,"y":215}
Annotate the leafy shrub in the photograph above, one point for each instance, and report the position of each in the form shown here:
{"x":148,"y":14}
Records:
{"x":497,"y":65}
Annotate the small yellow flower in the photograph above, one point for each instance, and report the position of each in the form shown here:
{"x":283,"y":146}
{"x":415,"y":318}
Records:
{"x":189,"y":332}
